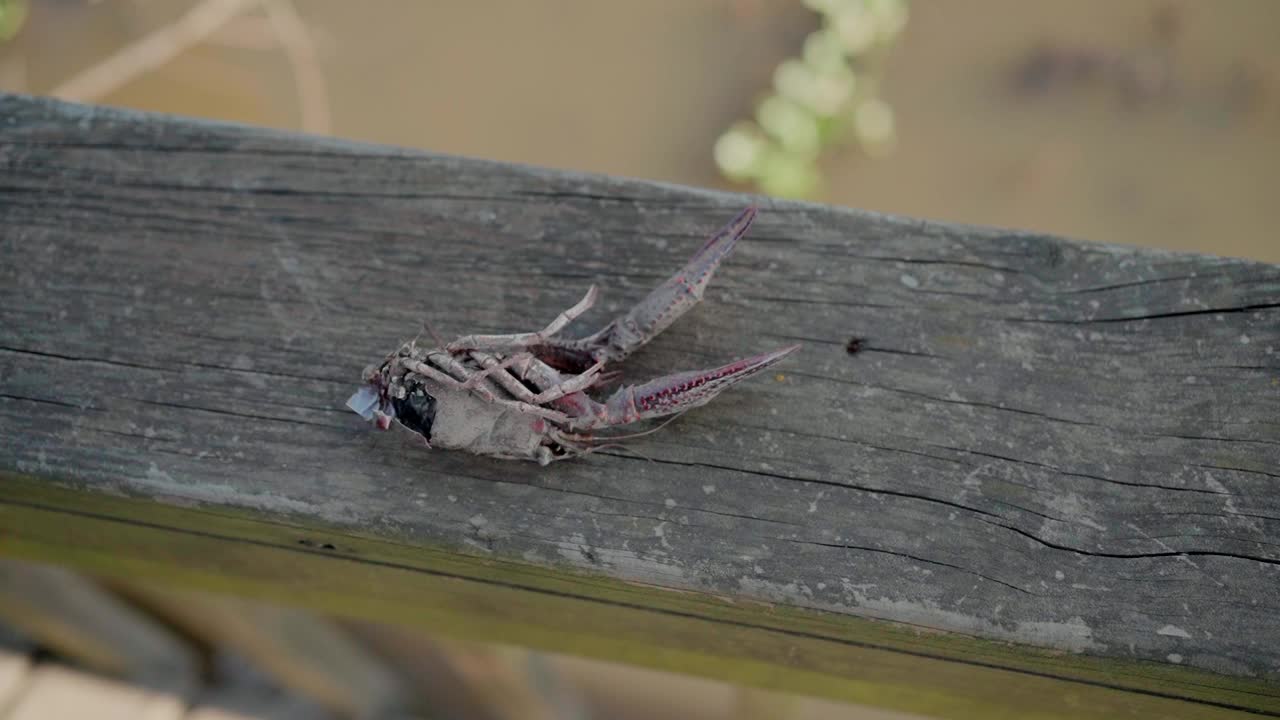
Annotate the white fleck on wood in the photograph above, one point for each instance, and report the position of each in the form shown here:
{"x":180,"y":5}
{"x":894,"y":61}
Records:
{"x":71,"y":615}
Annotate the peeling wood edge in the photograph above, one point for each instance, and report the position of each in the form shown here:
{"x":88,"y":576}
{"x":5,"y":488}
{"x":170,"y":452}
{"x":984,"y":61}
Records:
{"x":556,"y":609}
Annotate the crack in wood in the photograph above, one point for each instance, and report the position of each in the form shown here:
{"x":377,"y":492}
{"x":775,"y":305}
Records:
{"x":917,"y":558}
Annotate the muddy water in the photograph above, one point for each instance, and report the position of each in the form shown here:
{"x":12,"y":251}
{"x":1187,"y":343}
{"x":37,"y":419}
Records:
{"x":1188,"y":158}
{"x":1152,"y":123}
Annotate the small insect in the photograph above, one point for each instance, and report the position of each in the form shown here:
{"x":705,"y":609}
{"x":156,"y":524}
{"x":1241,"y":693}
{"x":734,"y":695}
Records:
{"x":524,"y":396}
{"x":855,"y":345}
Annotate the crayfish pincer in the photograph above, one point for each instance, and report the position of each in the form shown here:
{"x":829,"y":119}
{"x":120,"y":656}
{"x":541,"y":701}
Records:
{"x":524,"y":396}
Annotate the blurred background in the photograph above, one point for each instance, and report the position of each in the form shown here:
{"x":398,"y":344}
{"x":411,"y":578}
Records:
{"x":1147,"y":122}
{"x":73,"y":646}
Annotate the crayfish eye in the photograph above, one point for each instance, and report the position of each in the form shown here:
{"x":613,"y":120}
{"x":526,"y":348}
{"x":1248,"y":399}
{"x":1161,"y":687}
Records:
{"x":416,"y":411}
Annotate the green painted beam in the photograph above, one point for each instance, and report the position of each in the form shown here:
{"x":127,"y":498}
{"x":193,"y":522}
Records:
{"x":562,"y":610}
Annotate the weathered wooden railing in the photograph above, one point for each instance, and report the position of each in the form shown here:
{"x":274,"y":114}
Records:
{"x":1064,"y":455}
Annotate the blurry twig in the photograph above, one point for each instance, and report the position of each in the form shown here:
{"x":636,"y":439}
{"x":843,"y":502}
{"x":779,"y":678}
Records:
{"x":247,"y":32}
{"x":159,"y":47}
{"x":295,"y":40}
{"x":152,"y":51}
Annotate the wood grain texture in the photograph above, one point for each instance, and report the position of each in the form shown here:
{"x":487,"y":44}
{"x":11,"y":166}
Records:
{"x":1063,"y":444}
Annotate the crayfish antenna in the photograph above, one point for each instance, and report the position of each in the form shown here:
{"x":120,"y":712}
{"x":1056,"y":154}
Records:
{"x":626,"y":436}
{"x":625,"y":448}
{"x":426,"y":325}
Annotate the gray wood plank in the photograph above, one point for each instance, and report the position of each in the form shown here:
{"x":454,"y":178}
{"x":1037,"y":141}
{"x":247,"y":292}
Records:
{"x":301,"y":651}
{"x":475,"y":681}
{"x":1058,"y":443}
{"x":75,"y":618}
{"x":237,"y":690}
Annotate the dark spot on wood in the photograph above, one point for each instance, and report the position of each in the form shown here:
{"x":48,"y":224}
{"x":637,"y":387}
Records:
{"x":855,"y":345}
